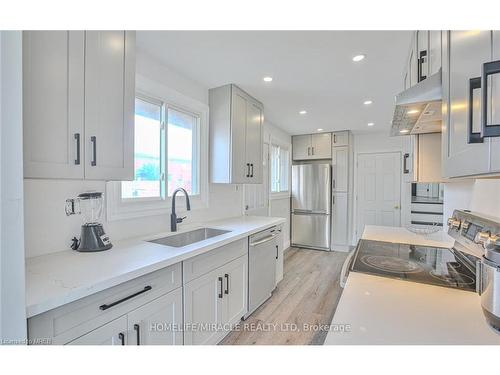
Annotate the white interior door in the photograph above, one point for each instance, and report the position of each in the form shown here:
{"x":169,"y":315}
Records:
{"x":378,"y":190}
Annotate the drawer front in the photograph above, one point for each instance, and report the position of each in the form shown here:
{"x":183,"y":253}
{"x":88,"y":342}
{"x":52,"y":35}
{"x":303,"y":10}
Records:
{"x":427,"y":208}
{"x":204,"y":263}
{"x":426,"y":218}
{"x":75,"y":319}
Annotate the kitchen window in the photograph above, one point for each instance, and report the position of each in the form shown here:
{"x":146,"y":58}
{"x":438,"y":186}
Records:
{"x":171,"y":151}
{"x":280,"y":158}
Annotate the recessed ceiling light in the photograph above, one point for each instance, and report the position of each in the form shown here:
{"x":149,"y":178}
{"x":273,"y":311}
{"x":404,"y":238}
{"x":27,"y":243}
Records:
{"x":358,"y":58}
{"x":319,"y":129}
{"x":371,"y":124}
{"x":413,"y":111}
{"x":367,"y":102}
{"x":404,"y":131}
{"x":267,"y":79}
{"x":303,"y":112}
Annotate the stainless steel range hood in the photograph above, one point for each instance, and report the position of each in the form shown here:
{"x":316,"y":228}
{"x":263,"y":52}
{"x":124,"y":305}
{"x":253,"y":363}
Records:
{"x":418,"y":109}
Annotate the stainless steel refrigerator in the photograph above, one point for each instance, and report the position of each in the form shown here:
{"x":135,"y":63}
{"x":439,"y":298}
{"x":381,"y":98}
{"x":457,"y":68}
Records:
{"x":311,"y":206}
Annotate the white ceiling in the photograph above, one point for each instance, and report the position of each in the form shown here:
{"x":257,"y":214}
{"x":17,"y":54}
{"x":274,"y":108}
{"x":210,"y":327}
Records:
{"x":311,"y":70}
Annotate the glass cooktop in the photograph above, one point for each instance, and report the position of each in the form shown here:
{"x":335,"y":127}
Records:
{"x":428,"y":265}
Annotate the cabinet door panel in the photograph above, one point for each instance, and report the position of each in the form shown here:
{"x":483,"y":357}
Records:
{"x":321,"y":146}
{"x":340,"y":220}
{"x":466,"y":52}
{"x":238,"y":134}
{"x":340,"y":161}
{"x":203,"y":306}
{"x":495,"y":105}
{"x":108,"y":334}
{"x":159,"y":321}
{"x":341,"y":138}
{"x":254,"y":140}
{"x":109,"y":104}
{"x":235,"y":290}
{"x":422,"y":55}
{"x":434,"y":51}
{"x":301,"y":147}
{"x":53,"y":99}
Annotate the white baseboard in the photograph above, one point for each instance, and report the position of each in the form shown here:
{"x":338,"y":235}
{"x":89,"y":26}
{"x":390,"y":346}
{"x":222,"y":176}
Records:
{"x":286,"y":245}
{"x":342,"y":248}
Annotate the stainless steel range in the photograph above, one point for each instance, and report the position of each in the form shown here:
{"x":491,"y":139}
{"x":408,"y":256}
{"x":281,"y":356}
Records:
{"x":472,"y":264}
{"x":428,"y":265}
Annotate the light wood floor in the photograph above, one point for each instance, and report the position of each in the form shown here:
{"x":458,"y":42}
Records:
{"x":307,"y":295}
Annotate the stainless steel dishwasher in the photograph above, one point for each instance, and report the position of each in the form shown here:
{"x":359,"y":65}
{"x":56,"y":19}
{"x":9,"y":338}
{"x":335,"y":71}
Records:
{"x":262,"y":255}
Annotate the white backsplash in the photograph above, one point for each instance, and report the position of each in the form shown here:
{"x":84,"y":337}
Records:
{"x":48,"y":229}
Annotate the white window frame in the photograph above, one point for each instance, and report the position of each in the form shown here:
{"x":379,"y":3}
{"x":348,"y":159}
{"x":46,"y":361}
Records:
{"x":118,"y":208}
{"x":288,"y":147}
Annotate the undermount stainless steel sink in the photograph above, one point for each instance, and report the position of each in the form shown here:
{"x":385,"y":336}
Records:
{"x":188,"y":238}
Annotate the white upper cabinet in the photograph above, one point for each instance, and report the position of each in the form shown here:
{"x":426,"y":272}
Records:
{"x":53,"y":104}
{"x":424,"y":57}
{"x":109,"y":105}
{"x":422,"y":54}
{"x":434,"y":51}
{"x":312,"y":146}
{"x":464,"y":53}
{"x":495,"y":105}
{"x":322,"y":146}
{"x":78,"y":100}
{"x":341,"y":138}
{"x":301,"y":147}
{"x":236,"y":136}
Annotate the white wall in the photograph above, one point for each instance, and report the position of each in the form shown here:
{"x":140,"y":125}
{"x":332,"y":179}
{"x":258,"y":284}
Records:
{"x":481,"y":195}
{"x":378,"y":143}
{"x":48,"y":229}
{"x":12,"y":284}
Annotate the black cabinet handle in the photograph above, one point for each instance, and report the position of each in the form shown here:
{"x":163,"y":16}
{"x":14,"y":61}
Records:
{"x":312,"y":150}
{"x":334,"y":138}
{"x":77,"y":139}
{"x":405,"y":160}
{"x":93,"y":139}
{"x":277,"y":251}
{"x":248,"y":169}
{"x":227,"y":284}
{"x":221,"y":287}
{"x":107,"y":306}
{"x":251,"y":173}
{"x":488,"y":130}
{"x":473,"y":137}
{"x":121,"y":336}
{"x":137,"y":330}
{"x":421,"y":59}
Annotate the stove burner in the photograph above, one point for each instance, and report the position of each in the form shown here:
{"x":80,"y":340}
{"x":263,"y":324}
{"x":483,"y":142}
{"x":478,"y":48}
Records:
{"x":459,"y":280}
{"x":391,"y":264}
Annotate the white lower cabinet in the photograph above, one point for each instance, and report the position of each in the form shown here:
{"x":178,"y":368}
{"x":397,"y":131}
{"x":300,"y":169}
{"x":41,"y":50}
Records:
{"x":158,"y":308}
{"x":158,"y":322}
{"x":203,"y":306}
{"x":112,"y":333}
{"x":215,"y":301}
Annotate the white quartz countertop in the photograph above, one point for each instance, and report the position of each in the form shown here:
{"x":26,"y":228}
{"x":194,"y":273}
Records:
{"x":403,"y":235}
{"x":56,"y":279}
{"x":381,"y":310}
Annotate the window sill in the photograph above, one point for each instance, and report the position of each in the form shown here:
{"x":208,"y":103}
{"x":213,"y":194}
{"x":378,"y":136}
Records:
{"x":117,"y":209}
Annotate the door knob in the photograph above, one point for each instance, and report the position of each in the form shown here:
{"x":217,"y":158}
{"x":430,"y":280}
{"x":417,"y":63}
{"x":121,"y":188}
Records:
{"x":396,"y":207}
